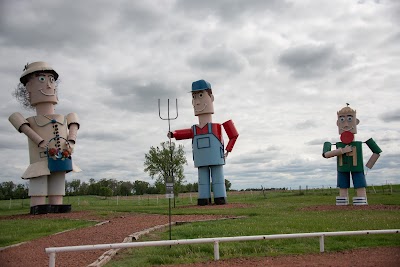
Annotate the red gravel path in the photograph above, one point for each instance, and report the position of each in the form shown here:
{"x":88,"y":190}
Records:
{"x":33,"y":253}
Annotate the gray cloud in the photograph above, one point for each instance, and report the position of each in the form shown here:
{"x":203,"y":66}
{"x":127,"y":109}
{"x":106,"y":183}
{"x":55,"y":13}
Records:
{"x":12,"y":144}
{"x":310,"y":61}
{"x":228,"y":10}
{"x":32,"y":24}
{"x":393,"y":9}
{"x":104,"y":136}
{"x":219,"y":58}
{"x":392,"y":39}
{"x":321,"y":141}
{"x":391,"y":116}
{"x":307,"y":124}
{"x":130,"y":94}
{"x":141,"y":17}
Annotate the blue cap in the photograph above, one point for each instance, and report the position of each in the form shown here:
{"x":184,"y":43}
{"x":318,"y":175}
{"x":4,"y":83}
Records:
{"x":200,"y":85}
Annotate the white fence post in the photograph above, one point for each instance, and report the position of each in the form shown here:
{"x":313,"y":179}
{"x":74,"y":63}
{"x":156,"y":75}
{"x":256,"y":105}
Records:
{"x":216,"y":250}
{"x":321,"y":244}
{"x":52,"y":259}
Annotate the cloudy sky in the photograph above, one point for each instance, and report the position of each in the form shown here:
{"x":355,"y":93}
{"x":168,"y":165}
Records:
{"x":279,"y":69}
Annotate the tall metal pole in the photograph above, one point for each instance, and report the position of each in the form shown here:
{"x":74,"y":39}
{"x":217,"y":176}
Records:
{"x":169,"y":181}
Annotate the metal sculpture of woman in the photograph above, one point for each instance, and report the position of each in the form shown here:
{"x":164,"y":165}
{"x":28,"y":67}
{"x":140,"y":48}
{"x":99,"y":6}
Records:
{"x":51,"y":138}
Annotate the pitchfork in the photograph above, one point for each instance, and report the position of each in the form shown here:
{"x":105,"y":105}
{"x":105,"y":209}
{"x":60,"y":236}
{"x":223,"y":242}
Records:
{"x":170,"y":179}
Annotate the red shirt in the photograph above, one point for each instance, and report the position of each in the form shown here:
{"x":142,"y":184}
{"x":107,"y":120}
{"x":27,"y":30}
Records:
{"x":216,"y":130}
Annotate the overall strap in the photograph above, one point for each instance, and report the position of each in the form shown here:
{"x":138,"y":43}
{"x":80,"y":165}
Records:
{"x":209,"y":125}
{"x":194,"y":130}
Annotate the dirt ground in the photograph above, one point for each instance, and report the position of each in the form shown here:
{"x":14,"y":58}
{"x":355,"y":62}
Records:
{"x":117,"y":228}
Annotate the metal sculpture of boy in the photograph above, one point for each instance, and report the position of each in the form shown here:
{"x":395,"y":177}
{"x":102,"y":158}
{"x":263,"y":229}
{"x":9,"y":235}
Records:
{"x":51,"y":138}
{"x":350,"y":158}
{"x":208,"y":145}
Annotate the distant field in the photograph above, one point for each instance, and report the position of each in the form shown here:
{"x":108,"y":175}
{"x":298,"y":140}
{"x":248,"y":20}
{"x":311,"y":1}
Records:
{"x":268,"y":212}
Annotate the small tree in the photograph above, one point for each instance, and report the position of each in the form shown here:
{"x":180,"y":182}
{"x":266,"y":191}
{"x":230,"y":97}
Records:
{"x":7,"y":189}
{"x":83,"y":189}
{"x":94,"y":187}
{"x":228,"y":185}
{"x":74,"y":186}
{"x":106,"y":192}
{"x":20,"y":192}
{"x":140,"y":187}
{"x":125,"y":188}
{"x":164,"y":162}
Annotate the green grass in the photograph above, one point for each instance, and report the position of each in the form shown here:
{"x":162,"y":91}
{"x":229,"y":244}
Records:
{"x":272,"y":213}
{"x":278,"y":213}
{"x":16,"y":231}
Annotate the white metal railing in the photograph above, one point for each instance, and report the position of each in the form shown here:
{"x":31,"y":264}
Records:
{"x":216,"y":240}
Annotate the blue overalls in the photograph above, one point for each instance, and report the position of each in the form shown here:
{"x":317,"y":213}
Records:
{"x":208,"y":157}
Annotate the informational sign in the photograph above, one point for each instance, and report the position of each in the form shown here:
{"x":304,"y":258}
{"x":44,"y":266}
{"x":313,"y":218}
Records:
{"x":169,"y":192}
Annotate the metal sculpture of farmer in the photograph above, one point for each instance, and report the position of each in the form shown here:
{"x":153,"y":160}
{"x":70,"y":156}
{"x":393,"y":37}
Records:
{"x":51,"y":138}
{"x":208,"y":145}
{"x":350,"y":158}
